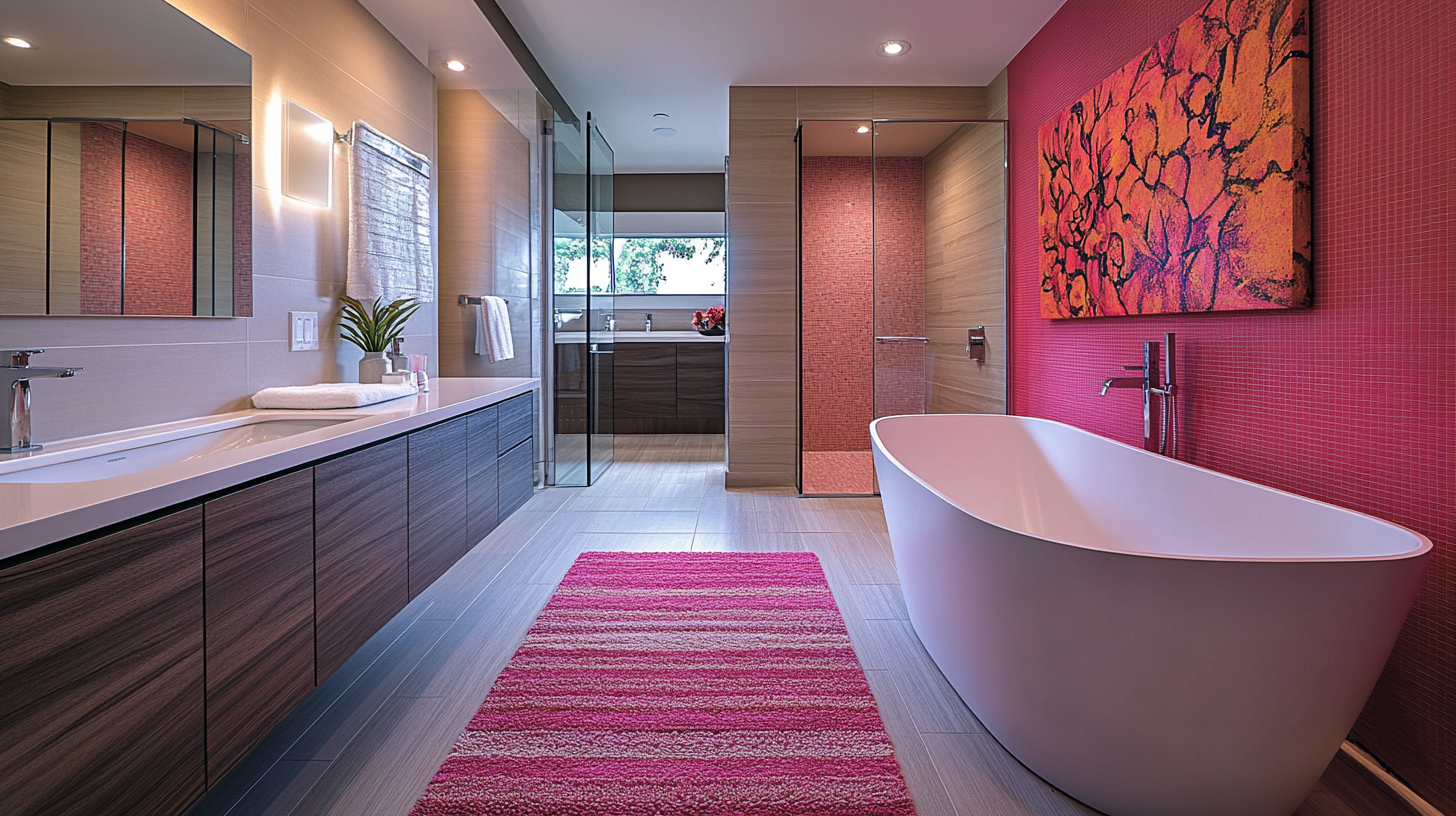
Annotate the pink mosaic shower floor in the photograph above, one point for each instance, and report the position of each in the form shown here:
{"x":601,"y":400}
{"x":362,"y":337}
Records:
{"x":828,"y":472}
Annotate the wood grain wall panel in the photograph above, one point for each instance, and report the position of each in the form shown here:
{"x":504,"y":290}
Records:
{"x":762,"y":102}
{"x":102,"y":672}
{"x":438,"y":503}
{"x":763,"y":254}
{"x":23,"y":178}
{"x":258,"y":574}
{"x":361,"y":549}
{"x":943,"y":102}
{"x":965,"y":270}
{"x":996,"y":98}
{"x":132,"y":102}
{"x":482,"y":482}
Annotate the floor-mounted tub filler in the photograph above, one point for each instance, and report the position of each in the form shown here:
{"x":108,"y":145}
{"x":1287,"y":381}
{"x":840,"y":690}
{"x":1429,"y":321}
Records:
{"x":1153,"y":638}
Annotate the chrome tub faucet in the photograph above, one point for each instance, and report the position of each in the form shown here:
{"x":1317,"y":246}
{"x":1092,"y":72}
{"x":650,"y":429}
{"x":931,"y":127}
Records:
{"x":1160,"y":419}
{"x":15,"y":435}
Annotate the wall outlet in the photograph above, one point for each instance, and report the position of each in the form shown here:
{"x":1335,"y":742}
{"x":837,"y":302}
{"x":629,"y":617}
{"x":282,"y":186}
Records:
{"x":303,"y":331}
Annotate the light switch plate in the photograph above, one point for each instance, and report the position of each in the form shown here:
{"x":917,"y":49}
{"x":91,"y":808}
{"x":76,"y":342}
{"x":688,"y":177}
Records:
{"x":303,"y":331}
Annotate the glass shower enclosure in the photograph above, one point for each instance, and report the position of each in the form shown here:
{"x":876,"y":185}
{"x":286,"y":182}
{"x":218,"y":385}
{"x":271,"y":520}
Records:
{"x":902,"y":283}
{"x":581,"y":440}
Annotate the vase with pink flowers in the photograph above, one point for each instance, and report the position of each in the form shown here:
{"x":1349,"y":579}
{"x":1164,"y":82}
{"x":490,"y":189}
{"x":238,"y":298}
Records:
{"x":710,"y":321}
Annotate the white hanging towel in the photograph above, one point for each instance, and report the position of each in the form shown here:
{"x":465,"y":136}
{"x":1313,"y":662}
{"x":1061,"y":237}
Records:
{"x":493,"y":330}
{"x":389,"y":220}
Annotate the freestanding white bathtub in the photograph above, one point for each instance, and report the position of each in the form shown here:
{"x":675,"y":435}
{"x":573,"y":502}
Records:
{"x":1153,"y":638}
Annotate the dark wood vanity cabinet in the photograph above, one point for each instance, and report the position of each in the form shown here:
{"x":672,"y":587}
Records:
{"x":668,"y":388}
{"x":437,"y":501}
{"x":101,"y":674}
{"x":361,"y":548}
{"x":139,"y":667}
{"x":258,"y":576}
{"x":482,"y":485}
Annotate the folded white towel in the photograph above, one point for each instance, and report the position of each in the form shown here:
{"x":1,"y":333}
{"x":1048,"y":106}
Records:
{"x":330,"y":395}
{"x":493,"y":330}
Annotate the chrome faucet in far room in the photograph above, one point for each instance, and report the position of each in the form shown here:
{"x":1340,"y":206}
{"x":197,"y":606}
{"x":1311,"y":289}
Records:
{"x":1160,"y":420}
{"x":15,"y":435}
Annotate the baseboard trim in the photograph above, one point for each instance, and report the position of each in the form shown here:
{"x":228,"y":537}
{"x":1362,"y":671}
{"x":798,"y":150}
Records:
{"x":1386,"y":778}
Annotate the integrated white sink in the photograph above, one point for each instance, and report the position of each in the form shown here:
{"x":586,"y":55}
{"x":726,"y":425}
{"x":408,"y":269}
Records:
{"x":94,"y":458}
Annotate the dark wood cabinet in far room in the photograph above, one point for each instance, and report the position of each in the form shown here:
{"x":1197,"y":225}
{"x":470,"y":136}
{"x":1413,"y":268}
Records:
{"x":656,"y":388}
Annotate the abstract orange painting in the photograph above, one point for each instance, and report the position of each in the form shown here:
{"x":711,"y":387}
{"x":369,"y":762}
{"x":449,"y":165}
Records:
{"x":1181,"y":182}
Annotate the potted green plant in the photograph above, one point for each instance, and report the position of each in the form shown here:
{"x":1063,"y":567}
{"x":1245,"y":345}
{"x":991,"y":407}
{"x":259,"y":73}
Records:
{"x":373,"y":329}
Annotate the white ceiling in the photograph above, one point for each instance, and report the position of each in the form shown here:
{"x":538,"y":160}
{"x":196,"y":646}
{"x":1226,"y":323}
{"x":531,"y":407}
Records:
{"x":625,"y":60}
{"x":628,"y":59}
{"x":114,"y":42}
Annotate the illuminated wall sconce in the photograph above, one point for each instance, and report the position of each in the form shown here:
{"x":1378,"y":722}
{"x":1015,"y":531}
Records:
{"x":308,"y":155}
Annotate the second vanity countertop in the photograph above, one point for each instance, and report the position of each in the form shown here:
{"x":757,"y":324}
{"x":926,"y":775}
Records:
{"x":34,"y":515}
{"x":639,"y":337}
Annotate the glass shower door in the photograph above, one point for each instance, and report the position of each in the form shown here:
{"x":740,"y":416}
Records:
{"x":600,"y":303}
{"x":571,"y":373}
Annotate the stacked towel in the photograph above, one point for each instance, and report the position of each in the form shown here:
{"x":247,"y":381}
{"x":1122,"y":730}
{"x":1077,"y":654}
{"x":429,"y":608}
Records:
{"x":493,"y":330}
{"x":330,"y":395}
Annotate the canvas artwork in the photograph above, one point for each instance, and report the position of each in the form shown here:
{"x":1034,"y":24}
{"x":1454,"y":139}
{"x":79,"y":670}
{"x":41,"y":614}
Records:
{"x":1181,"y":182}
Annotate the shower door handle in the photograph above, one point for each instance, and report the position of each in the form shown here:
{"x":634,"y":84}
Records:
{"x":902,"y":339}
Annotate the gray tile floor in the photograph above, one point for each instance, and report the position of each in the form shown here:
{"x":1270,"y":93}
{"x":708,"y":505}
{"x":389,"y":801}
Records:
{"x":369,"y":739}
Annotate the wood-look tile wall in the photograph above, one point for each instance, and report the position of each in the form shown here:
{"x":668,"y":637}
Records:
{"x":486,"y":236}
{"x":965,"y":270}
{"x":334,"y":58}
{"x":763,"y":307}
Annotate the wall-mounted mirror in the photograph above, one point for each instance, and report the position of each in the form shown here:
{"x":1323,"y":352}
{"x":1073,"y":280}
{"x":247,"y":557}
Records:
{"x":125,"y":162}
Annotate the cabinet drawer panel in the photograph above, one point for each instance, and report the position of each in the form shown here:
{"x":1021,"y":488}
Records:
{"x":437,"y":501}
{"x":361,"y":547}
{"x":700,"y":380}
{"x":515,"y":478}
{"x":644,"y":379}
{"x":515,"y":422}
{"x":258,"y":578}
{"x":102,"y":708}
{"x":482,"y":486}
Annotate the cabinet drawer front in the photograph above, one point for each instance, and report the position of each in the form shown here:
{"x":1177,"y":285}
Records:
{"x":361,"y":547}
{"x":515,"y":422}
{"x":481,"y":486}
{"x":102,"y":674}
{"x":437,"y":501}
{"x":644,"y":380}
{"x":258,"y":576}
{"x":515,"y":478}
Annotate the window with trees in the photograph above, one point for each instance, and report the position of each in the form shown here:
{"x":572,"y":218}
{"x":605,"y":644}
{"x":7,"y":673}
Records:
{"x":644,"y":266}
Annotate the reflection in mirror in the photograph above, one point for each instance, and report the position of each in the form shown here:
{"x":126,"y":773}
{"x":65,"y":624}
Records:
{"x":125,"y":177}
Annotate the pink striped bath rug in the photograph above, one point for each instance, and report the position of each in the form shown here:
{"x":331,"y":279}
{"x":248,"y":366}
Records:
{"x":678,"y":683}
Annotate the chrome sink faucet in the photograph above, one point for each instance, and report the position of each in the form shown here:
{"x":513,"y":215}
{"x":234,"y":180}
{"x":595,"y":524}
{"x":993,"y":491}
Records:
{"x":15,"y":436}
{"x":1160,"y":419}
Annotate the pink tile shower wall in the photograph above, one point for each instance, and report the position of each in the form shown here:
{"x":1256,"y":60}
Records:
{"x":1349,"y":402}
{"x":839,"y":255}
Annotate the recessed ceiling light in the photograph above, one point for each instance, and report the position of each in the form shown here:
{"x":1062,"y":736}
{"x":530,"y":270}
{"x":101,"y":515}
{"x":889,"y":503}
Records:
{"x":455,"y":65}
{"x":661,"y":116}
{"x":18,"y":42}
{"x":862,"y":129}
{"x":893,"y":48}
{"x":666,"y":133}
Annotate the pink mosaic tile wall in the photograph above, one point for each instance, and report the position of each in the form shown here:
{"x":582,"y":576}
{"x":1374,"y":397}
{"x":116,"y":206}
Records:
{"x":840,"y":249}
{"x":1350,"y":402}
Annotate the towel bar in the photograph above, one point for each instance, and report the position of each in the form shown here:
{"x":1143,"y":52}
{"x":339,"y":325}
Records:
{"x":467,"y":300}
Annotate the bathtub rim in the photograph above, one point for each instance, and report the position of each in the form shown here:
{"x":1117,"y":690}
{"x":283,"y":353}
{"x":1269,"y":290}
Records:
{"x":1423,"y":543}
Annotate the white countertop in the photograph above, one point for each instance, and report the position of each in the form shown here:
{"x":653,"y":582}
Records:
{"x":34,"y":515}
{"x":639,"y":337}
